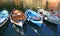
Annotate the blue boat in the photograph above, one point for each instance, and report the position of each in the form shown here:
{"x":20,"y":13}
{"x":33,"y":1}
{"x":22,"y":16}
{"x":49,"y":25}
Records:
{"x":3,"y":17}
{"x":34,"y":17}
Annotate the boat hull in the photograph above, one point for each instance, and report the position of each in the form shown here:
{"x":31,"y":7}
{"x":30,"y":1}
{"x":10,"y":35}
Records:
{"x":3,"y":23}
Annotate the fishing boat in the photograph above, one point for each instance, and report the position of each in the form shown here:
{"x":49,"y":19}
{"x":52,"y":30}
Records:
{"x":3,"y":17}
{"x":17,"y":17}
{"x":53,"y":19}
{"x":35,"y":20}
{"x":3,"y":21}
{"x":34,"y":17}
{"x":57,"y":13}
{"x":50,"y":17}
{"x":52,"y":23}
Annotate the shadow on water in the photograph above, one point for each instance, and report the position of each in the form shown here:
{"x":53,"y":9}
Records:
{"x":3,"y":28}
{"x":20,"y":30}
{"x":10,"y":31}
{"x":50,"y":25}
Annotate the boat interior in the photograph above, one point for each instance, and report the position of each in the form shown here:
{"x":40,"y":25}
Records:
{"x":17,"y":16}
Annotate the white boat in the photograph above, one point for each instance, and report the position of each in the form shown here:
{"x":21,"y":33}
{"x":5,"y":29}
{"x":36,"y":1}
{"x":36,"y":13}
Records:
{"x":50,"y":17}
{"x":3,"y":17}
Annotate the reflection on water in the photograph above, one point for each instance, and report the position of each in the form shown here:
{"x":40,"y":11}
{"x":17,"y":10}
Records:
{"x":10,"y":31}
{"x":51,"y":26}
{"x":3,"y":28}
{"x":20,"y":30}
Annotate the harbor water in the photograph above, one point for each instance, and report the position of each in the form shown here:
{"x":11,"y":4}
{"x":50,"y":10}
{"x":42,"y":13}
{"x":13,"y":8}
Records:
{"x":10,"y":30}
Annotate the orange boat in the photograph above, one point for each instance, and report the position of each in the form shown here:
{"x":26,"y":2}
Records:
{"x":17,"y":17}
